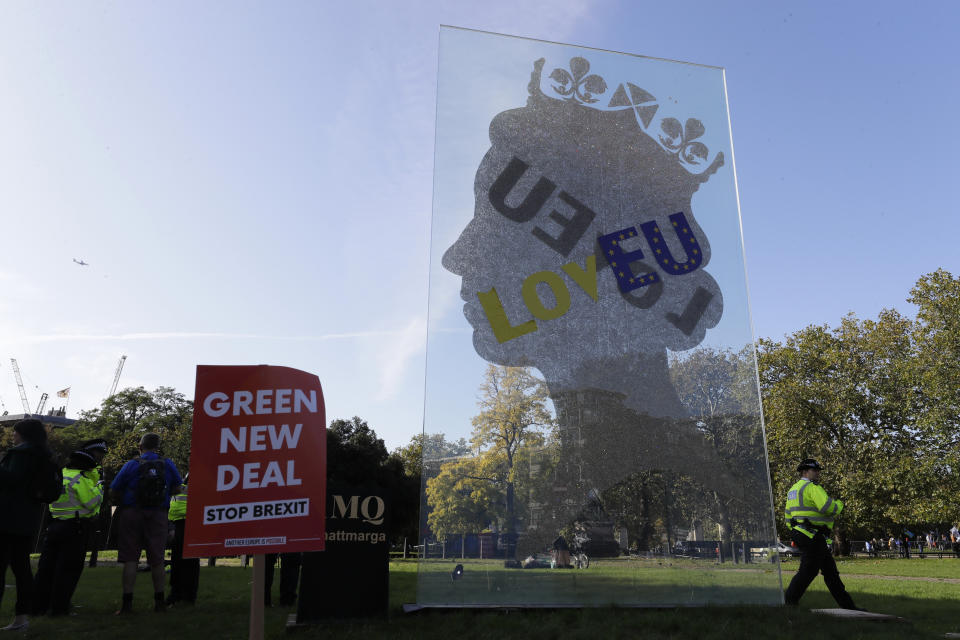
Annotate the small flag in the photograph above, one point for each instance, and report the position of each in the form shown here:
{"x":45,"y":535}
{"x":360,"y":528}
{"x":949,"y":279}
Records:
{"x":64,"y":393}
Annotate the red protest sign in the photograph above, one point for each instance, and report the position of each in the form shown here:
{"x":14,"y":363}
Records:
{"x":258,"y":462}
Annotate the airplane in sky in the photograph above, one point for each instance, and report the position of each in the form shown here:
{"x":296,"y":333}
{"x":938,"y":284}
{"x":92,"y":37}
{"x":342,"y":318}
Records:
{"x":81,"y":262}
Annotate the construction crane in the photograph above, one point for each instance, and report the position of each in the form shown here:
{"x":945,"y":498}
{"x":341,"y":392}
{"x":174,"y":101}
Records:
{"x":23,"y":393}
{"x":42,"y":404}
{"x":116,"y":376}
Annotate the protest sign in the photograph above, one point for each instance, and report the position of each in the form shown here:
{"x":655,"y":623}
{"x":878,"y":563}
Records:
{"x":258,"y":462}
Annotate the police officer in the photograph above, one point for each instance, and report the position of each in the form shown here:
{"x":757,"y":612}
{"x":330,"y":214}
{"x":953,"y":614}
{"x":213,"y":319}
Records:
{"x":65,"y":544}
{"x":184,"y":572}
{"x":810,"y":513}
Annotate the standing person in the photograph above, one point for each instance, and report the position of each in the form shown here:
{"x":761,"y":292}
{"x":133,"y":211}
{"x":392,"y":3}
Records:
{"x":142,"y":490}
{"x":955,"y":539}
{"x":289,"y":576}
{"x":71,"y":519}
{"x":20,"y":509}
{"x":810,"y":513}
{"x":184,"y":572}
{"x":561,"y":552}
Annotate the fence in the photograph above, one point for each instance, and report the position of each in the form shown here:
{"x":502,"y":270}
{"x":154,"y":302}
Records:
{"x":914,"y":549}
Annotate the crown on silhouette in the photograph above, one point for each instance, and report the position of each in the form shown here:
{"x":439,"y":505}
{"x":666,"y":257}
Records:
{"x":577,"y":85}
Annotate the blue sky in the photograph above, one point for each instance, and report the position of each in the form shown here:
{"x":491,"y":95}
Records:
{"x":251,"y":182}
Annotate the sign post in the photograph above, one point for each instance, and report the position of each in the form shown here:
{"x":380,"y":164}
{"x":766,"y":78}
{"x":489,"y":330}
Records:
{"x":258,"y":467}
{"x":256,"y":596}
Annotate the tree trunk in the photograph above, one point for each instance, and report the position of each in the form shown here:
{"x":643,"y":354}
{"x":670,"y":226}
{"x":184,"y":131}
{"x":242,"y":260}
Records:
{"x":841,"y":546}
{"x":666,"y":516}
{"x":643,"y":540}
{"x":726,"y":530}
{"x":510,"y":524}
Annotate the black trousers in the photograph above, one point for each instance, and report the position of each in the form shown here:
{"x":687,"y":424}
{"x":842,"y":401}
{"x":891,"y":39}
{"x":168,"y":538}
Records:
{"x":815,"y":558}
{"x":289,"y":576}
{"x":15,"y":551}
{"x":184,"y":572}
{"x":61,"y":563}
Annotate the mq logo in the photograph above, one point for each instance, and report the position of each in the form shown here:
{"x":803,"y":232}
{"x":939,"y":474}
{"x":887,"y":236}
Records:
{"x":357,"y":509}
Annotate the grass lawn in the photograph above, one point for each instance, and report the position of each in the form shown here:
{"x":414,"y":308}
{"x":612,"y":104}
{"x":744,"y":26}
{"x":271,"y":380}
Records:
{"x":933,"y":606}
{"x":915,"y":567}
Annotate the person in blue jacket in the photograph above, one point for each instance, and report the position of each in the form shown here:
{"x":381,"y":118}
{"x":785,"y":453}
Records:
{"x":142,"y":490}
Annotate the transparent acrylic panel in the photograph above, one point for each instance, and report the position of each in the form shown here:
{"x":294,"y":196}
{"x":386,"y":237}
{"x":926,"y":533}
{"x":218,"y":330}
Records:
{"x":591,"y":391}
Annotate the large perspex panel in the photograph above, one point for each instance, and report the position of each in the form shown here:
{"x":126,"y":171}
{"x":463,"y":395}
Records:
{"x":590,"y":365}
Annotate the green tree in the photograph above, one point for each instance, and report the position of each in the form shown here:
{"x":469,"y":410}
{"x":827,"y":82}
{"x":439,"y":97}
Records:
{"x":935,"y":374}
{"x":432,"y":448}
{"x":846,"y":397}
{"x":719,"y":389}
{"x":125,"y":416}
{"x":509,"y":427}
{"x":357,"y":457}
{"x":488,"y":486}
{"x":459,"y":502}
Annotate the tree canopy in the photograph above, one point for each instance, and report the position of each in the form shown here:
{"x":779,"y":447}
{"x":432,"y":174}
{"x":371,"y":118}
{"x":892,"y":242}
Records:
{"x":472,"y":492}
{"x":875,"y":401}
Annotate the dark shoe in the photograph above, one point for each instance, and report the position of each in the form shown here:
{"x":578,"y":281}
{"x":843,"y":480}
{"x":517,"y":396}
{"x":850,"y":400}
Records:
{"x":20,"y":623}
{"x":126,"y":606}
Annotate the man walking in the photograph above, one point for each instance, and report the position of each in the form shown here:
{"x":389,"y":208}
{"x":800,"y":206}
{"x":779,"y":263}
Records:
{"x":810,"y":513}
{"x":142,"y":490}
{"x":65,"y":544}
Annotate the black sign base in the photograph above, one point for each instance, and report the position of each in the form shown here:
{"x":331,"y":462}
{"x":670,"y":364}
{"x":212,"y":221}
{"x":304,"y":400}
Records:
{"x":351,"y":579}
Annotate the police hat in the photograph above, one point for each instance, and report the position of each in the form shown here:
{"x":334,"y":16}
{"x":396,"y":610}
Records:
{"x":91,"y":446}
{"x":809,"y":463}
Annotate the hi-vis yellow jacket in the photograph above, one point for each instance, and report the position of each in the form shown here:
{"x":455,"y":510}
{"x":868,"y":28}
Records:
{"x":810,"y":509}
{"x":81,"y":497}
{"x":178,"y":505}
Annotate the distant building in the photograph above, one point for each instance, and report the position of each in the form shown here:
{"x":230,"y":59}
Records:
{"x":49,"y":421}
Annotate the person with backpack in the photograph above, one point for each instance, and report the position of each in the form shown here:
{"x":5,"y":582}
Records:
{"x":27,"y":472}
{"x":71,"y":518}
{"x":142,"y":492}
